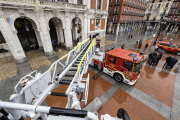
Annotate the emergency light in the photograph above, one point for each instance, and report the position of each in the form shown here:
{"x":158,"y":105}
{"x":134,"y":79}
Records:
{"x":135,"y":59}
{"x":171,"y":42}
{"x":141,"y":53}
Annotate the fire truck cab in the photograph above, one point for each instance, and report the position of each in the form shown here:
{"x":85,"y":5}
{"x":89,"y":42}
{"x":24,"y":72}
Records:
{"x":122,"y":65}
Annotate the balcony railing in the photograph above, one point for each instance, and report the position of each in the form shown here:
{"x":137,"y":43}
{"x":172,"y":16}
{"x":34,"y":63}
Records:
{"x":163,"y":14}
{"x":124,"y":12}
{"x":45,"y":3}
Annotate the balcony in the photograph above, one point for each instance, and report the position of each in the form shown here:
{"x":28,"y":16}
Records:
{"x":163,"y":14}
{"x":124,"y":12}
{"x":117,"y":4}
{"x":115,"y":13}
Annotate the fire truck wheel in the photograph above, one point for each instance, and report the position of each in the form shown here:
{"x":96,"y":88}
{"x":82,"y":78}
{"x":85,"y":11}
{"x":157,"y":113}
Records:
{"x":118,"y":77}
{"x":178,"y":53}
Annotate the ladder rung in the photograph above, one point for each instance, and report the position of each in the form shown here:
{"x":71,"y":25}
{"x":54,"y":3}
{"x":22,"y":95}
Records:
{"x":75,"y":65}
{"x":68,"y":75}
{"x":58,"y":94}
{"x":64,"y":83}
{"x":73,"y":70}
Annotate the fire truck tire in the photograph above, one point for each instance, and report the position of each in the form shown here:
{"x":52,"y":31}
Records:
{"x":118,"y":77}
{"x":178,"y":53}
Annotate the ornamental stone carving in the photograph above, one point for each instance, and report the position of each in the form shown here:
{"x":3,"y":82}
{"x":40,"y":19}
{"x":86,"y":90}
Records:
{"x":21,"y":11}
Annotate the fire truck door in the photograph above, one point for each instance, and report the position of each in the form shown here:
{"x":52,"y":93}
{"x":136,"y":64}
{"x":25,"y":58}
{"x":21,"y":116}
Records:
{"x":112,"y":62}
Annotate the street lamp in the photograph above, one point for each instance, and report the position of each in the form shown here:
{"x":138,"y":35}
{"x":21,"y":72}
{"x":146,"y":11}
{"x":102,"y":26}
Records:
{"x":162,"y":24}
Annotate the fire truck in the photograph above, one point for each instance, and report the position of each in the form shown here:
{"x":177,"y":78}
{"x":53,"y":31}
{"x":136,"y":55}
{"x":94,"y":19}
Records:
{"x":123,"y":65}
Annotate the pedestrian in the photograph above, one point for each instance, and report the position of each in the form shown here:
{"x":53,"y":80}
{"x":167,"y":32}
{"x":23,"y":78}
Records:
{"x":150,"y":57}
{"x":137,"y":42}
{"x":171,"y":40}
{"x":172,"y":62}
{"x":122,"y":47}
{"x":140,"y":44}
{"x":154,"y":59}
{"x":146,"y":46}
{"x":167,"y":61}
{"x":131,"y":36}
{"x":159,"y":57}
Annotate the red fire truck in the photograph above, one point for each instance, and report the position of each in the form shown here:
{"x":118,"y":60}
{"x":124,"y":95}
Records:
{"x":122,"y":65}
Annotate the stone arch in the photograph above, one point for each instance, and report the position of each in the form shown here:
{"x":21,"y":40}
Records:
{"x":76,"y":29}
{"x":59,"y":17}
{"x":80,"y":17}
{"x":56,"y":31}
{"x":30,"y":17}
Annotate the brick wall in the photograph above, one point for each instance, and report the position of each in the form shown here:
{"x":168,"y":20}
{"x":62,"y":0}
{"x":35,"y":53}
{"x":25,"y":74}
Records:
{"x":93,"y":4}
{"x":104,"y":5}
{"x":102,"y":24}
{"x":92,"y":24}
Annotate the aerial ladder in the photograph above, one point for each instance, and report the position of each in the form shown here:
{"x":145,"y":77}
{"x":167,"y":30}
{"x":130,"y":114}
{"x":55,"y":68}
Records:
{"x":33,"y":88}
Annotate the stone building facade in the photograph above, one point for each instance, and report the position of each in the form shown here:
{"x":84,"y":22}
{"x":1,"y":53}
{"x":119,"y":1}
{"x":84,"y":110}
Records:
{"x":35,"y":24}
{"x":126,"y":14}
{"x":162,"y":7}
{"x":173,"y":17}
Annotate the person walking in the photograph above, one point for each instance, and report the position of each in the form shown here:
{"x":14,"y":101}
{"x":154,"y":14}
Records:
{"x":167,"y":61}
{"x":137,"y":42}
{"x":172,"y":62}
{"x":150,"y":58}
{"x":146,"y":46}
{"x":154,"y":59}
{"x":122,"y":47}
{"x":140,"y":44}
{"x":159,"y":57}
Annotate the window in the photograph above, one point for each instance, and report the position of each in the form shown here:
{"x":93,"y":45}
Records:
{"x":130,"y":10}
{"x":127,"y":9}
{"x":164,"y":44}
{"x":97,"y":22}
{"x":112,"y":59}
{"x":127,"y":65}
{"x":109,"y":10}
{"x":151,"y":6}
{"x":125,"y":18}
{"x":109,"y":2}
{"x":178,"y":11}
{"x":175,"y":4}
{"x":160,"y":0}
{"x":153,"y":1}
{"x":98,"y":4}
{"x":173,"y":46}
{"x":117,"y":2}
{"x":158,"y":5}
{"x":122,"y":18}
{"x":79,"y":1}
{"x":123,"y":8}
{"x":116,"y":10}
{"x":167,"y":4}
{"x":175,"y":18}
{"x":115,"y":19}
{"x":171,"y":12}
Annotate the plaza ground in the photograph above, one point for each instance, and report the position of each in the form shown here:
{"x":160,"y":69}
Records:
{"x":153,"y":97}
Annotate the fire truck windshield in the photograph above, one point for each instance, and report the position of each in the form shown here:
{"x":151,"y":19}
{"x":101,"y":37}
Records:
{"x":128,"y":65}
{"x":137,"y":67}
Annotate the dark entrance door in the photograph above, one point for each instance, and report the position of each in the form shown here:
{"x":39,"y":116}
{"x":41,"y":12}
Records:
{"x":52,"y":30}
{"x":26,"y":34}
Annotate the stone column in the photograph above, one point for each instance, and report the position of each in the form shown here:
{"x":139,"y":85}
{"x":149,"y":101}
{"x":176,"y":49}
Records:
{"x":38,"y":38}
{"x":45,"y":36}
{"x":88,"y":26}
{"x":58,"y":35}
{"x":84,"y":30}
{"x":61,"y":33}
{"x":67,"y":32}
{"x":12,"y":40}
{"x":117,"y":29}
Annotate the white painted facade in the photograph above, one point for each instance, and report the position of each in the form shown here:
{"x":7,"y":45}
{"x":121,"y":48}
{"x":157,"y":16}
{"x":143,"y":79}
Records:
{"x":62,"y":13}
